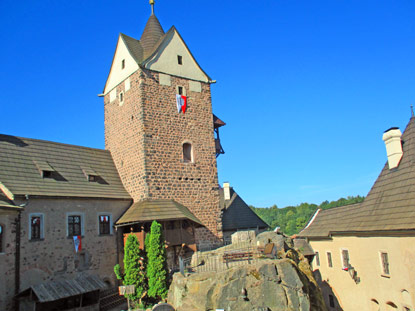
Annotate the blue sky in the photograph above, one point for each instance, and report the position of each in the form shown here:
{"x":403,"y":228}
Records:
{"x":306,"y":87}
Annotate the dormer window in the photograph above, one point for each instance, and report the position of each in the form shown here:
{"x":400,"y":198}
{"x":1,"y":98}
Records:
{"x":123,"y":64}
{"x":90,"y":174}
{"x":187,"y":153}
{"x":179,"y":59}
{"x":45,"y":170}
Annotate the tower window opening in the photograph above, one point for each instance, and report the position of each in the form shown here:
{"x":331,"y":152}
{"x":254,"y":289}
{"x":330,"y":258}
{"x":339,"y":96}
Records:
{"x":180,"y":89}
{"x":187,"y":153}
{"x":179,"y":59}
{"x":123,"y":64}
{"x":121,"y":97}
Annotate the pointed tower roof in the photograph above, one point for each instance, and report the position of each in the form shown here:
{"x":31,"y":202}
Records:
{"x":152,"y":34}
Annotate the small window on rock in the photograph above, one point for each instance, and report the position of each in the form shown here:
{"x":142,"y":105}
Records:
{"x":36,"y":224}
{"x":180,"y":90}
{"x":187,"y":153}
{"x":123,"y":64}
{"x":121,"y":97}
{"x":74,"y":225}
{"x":179,"y":59}
{"x":345,"y":259}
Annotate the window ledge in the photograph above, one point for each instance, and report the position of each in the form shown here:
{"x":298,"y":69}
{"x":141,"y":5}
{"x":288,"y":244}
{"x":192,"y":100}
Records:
{"x":36,"y":240}
{"x":387,"y":276}
{"x":107,"y":234}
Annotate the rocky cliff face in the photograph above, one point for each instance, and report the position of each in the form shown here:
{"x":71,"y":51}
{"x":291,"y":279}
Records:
{"x":265,"y":285}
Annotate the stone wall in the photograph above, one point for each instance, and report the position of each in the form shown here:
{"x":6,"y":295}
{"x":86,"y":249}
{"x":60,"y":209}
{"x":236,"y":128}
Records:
{"x":53,"y":257}
{"x":7,"y":261}
{"x":145,"y":135}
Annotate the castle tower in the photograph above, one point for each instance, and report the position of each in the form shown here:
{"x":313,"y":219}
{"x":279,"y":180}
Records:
{"x":162,"y":150}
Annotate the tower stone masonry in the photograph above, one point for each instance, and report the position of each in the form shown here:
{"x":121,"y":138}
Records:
{"x":145,"y":132}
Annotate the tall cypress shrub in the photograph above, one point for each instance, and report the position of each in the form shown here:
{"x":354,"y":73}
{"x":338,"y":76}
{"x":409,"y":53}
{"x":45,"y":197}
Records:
{"x":157,"y":265}
{"x":134,"y":269}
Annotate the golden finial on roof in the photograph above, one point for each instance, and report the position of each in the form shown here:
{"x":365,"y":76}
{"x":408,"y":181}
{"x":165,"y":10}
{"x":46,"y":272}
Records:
{"x":152,"y":6}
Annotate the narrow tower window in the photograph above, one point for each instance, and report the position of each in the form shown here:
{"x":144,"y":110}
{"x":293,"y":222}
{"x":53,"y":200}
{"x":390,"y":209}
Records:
{"x":187,"y":153}
{"x":329,"y":260}
{"x":180,"y":90}
{"x":179,"y":59}
{"x":123,"y":64}
{"x":121,"y":98}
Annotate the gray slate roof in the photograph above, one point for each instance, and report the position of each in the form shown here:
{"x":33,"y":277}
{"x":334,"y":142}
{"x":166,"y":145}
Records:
{"x":19,"y":169}
{"x":149,"y":210}
{"x":237,"y":214}
{"x":390,"y":204}
{"x":55,"y":290}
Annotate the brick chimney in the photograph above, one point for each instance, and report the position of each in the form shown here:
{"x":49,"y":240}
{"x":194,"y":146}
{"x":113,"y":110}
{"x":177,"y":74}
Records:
{"x":392,"y":139}
{"x":226,"y":191}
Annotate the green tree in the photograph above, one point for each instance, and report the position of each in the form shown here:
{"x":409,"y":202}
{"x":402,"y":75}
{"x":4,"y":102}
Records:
{"x":157,"y":265}
{"x":134,"y":269}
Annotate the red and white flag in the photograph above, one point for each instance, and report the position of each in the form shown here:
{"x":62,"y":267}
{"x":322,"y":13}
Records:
{"x":77,"y":242}
{"x":181,"y":102}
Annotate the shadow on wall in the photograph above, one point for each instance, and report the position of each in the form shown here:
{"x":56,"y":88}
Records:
{"x":330,"y":298}
{"x":13,"y":140}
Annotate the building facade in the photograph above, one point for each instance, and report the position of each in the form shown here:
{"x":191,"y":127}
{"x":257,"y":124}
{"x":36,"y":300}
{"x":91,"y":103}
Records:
{"x":364,"y":253}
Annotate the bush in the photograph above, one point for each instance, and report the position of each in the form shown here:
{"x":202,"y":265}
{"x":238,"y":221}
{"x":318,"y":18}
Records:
{"x":157,"y":265}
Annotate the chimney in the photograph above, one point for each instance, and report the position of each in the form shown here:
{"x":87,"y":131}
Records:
{"x":392,"y":139}
{"x":226,"y":191}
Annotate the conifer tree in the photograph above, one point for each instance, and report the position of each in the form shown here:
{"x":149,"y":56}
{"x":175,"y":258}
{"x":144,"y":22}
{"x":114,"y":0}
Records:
{"x":157,"y":265}
{"x":134,"y":269}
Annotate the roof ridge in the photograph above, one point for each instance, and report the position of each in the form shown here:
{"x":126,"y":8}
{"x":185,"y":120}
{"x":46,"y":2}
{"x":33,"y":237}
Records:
{"x":54,"y":142}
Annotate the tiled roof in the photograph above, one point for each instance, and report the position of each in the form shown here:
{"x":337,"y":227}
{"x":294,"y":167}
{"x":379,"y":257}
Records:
{"x":5,"y":204}
{"x":390,"y":204}
{"x":20,"y":171}
{"x":149,"y":210}
{"x":237,"y":214}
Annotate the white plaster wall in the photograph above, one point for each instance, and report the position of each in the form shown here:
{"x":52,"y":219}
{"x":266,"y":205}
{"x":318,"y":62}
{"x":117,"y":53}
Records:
{"x":166,"y":61}
{"x":117,"y":74}
{"x":365,"y":258}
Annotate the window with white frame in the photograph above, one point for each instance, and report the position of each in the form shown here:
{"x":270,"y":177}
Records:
{"x":36,"y":226}
{"x":345,"y":259}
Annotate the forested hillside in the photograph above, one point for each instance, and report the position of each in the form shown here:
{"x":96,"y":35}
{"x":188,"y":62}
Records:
{"x":292,"y":219}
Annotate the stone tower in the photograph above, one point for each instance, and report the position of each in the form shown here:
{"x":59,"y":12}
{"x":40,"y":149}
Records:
{"x":162,"y":152}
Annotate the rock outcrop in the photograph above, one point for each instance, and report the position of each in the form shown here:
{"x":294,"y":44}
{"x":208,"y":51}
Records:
{"x":279,"y":284}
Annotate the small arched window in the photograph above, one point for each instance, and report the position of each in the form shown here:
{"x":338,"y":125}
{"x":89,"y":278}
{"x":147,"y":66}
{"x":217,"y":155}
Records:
{"x":1,"y":238}
{"x":187,"y":153}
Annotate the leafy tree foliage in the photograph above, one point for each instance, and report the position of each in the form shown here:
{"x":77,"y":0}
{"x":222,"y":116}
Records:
{"x":134,"y":269}
{"x":157,"y":265}
{"x":292,"y":219}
